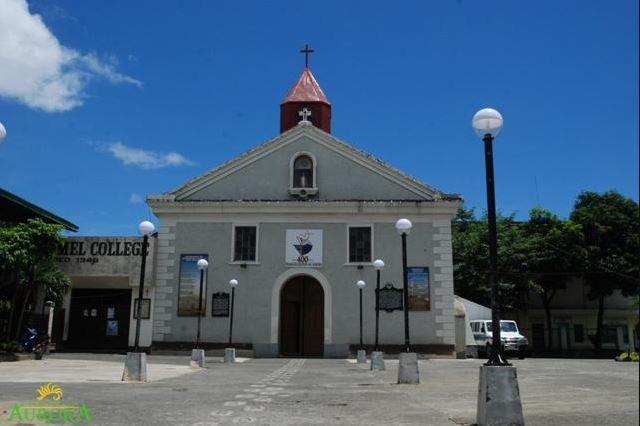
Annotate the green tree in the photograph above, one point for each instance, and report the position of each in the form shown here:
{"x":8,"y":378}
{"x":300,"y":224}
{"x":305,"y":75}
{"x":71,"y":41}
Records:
{"x":27,"y":253}
{"x":471,"y":260}
{"x":610,"y":247}
{"x":551,"y":256}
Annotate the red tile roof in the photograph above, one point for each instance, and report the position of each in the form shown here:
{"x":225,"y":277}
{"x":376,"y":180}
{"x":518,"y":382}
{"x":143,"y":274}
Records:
{"x":306,"y":89}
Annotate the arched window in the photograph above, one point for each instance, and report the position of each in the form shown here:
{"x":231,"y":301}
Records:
{"x":303,"y":172}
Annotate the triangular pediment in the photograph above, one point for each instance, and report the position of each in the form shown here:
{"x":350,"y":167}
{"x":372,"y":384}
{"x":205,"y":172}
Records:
{"x":344,"y":173}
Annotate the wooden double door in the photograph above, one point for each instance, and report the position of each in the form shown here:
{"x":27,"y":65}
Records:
{"x":302,"y":318}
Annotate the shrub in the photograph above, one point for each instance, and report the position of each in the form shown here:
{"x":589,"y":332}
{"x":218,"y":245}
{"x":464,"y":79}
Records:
{"x":628,"y":357}
{"x":11,"y":346}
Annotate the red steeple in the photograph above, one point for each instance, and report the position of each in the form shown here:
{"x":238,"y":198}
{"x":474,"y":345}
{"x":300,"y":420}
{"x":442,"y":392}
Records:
{"x":305,"y":100}
{"x":306,"y":89}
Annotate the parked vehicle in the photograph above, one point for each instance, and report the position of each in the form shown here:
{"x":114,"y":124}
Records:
{"x":512,"y":340}
{"x":33,"y":340}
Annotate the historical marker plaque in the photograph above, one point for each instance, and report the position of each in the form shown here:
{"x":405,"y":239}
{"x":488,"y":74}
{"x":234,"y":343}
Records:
{"x":390,"y":298}
{"x":220,"y":305}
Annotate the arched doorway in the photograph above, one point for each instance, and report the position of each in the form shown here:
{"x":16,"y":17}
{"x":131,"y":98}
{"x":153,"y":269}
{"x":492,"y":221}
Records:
{"x":302,"y":317}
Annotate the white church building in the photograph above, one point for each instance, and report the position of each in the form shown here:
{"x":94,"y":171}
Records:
{"x":297,"y":221}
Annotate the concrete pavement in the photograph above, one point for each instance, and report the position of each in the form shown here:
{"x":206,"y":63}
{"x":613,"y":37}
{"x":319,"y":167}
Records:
{"x":322,"y":391}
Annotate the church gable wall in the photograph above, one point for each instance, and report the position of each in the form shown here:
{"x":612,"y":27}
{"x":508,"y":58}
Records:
{"x":337,"y":178}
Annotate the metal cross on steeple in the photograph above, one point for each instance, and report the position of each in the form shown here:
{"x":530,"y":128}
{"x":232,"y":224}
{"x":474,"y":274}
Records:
{"x":306,"y":52}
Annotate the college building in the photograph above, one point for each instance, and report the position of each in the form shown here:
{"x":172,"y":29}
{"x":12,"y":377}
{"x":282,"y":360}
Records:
{"x":100,"y":309}
{"x":574,"y":322}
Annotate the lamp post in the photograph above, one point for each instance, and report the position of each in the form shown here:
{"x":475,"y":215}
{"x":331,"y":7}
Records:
{"x":146,"y":228}
{"x":408,"y":364}
{"x":361,"y":284}
{"x":197,"y":354}
{"x":233,"y":283}
{"x":378,"y":264}
{"x":403,"y":226}
{"x":3,"y":132}
{"x":202,"y":266}
{"x":498,"y":395}
{"x":377,"y":358}
{"x":362,"y":354}
{"x":230,"y":353}
{"x":135,"y":364}
{"x":487,"y":123}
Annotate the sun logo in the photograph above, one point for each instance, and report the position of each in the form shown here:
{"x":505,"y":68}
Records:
{"x":50,"y":389}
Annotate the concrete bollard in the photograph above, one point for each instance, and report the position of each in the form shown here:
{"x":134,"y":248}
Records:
{"x":197,"y":358}
{"x":362,"y":356}
{"x":499,"y":397}
{"x":408,"y":369}
{"x":377,"y":361}
{"x":135,"y":367}
{"x":230,"y":355}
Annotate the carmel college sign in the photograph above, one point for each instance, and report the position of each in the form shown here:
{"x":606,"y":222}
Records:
{"x":102,"y":248}
{"x":94,"y":250}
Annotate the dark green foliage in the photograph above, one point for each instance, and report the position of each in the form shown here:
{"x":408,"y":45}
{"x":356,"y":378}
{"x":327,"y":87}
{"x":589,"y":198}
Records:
{"x":471,"y":260}
{"x":553,"y":255}
{"x":610,"y":246}
{"x":598,"y":244}
{"x":27,"y":253}
{"x":11,"y":346}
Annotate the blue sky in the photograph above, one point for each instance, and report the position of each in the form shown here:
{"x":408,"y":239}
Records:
{"x":105,"y":102}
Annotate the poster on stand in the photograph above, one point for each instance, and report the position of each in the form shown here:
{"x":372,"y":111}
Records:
{"x":419,"y":297}
{"x":189,"y":285}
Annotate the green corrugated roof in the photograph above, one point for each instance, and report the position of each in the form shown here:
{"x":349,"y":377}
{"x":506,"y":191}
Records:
{"x":16,"y":209}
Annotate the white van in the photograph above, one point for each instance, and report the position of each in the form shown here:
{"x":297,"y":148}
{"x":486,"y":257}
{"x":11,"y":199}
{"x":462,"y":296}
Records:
{"x":512,"y":340}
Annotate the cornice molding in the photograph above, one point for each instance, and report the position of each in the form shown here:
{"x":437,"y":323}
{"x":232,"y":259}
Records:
{"x":304,"y":208}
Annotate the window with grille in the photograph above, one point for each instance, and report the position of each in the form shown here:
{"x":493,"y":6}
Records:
{"x":244,"y":247}
{"x":360,"y":244}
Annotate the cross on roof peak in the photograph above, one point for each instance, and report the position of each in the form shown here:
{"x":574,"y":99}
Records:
{"x":306,"y":52}
{"x":304,"y":113}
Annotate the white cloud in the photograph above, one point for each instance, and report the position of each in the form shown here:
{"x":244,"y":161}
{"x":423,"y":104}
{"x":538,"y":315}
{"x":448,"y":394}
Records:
{"x":106,"y":69}
{"x":135,"y":198}
{"x":38,"y":71}
{"x":146,"y":159}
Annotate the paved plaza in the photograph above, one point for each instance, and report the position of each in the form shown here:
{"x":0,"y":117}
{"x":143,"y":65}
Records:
{"x":321,"y":391}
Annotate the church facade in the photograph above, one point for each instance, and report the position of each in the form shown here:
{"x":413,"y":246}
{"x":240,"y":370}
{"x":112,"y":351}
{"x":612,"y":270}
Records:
{"x":297,"y":221}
